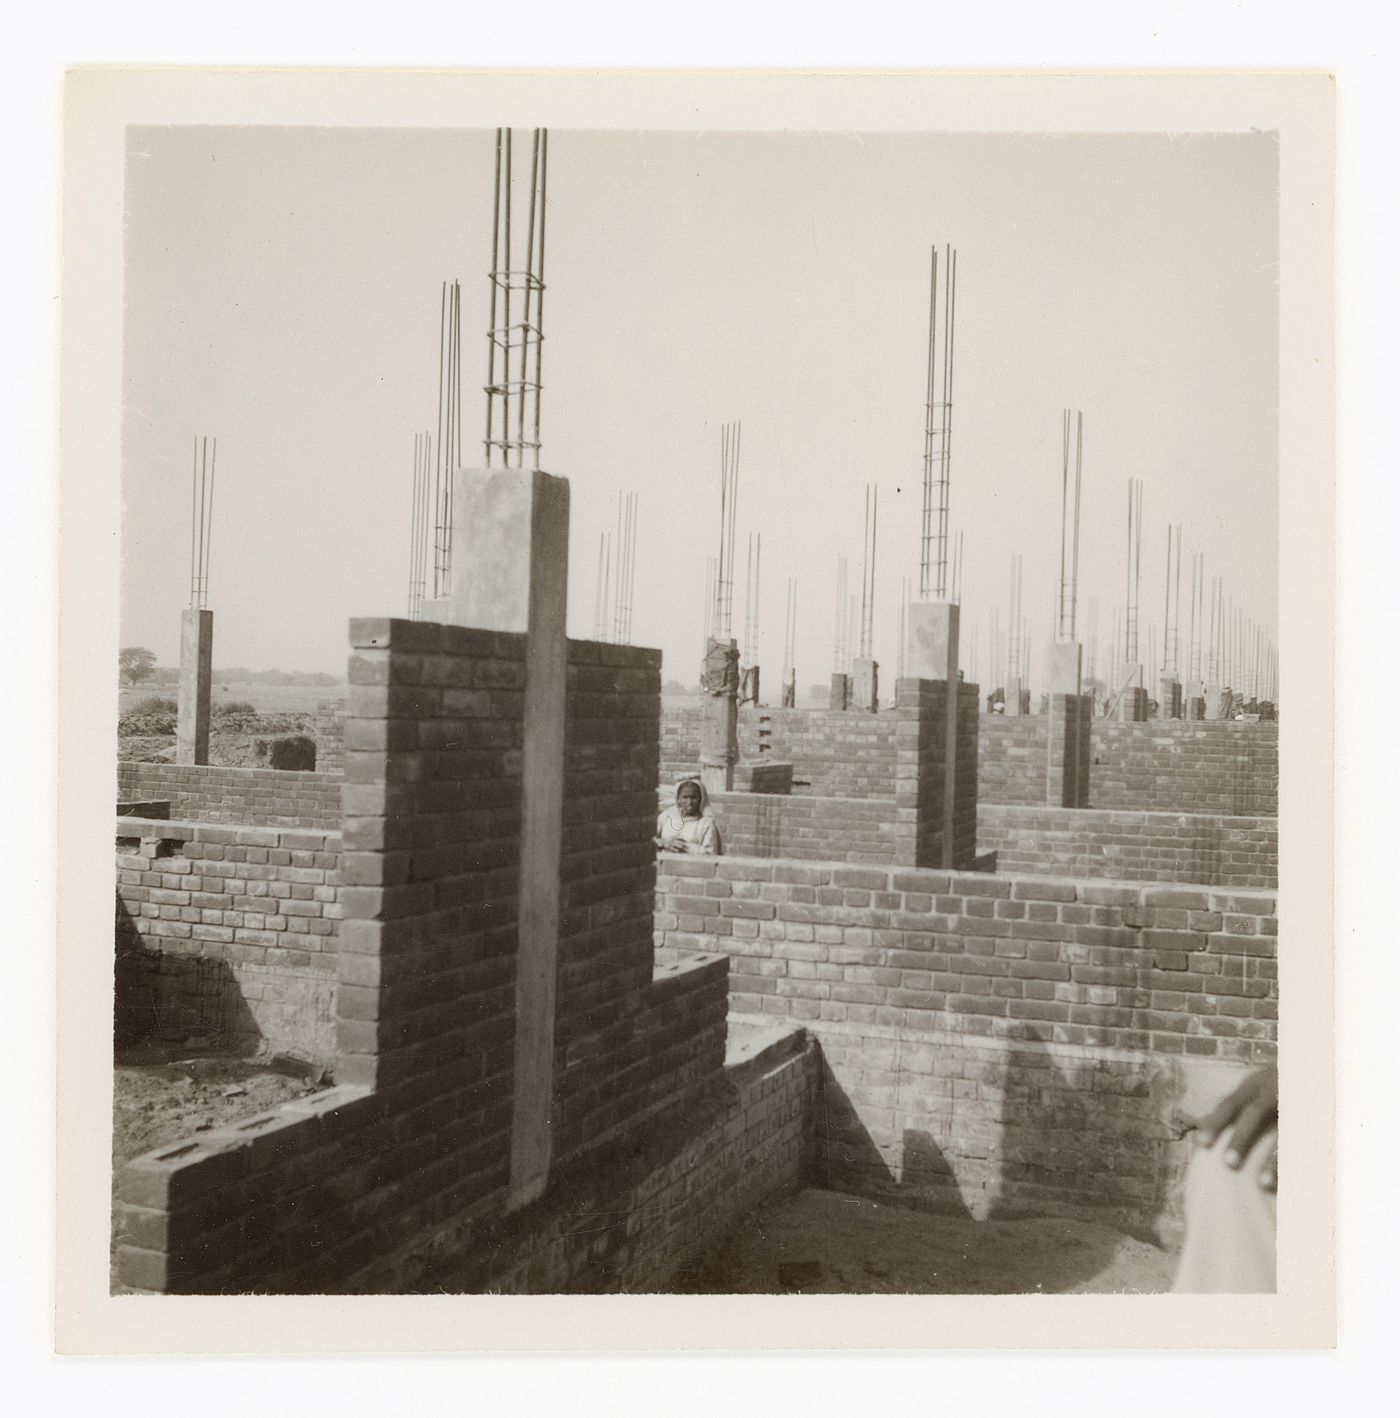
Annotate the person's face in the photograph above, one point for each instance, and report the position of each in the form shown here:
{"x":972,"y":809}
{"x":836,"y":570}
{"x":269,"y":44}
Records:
{"x":689,"y":799}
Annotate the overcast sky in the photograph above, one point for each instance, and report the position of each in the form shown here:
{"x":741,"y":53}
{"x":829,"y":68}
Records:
{"x":282,"y":293}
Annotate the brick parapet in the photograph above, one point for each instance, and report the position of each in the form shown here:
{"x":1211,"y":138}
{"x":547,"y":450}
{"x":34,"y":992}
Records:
{"x":267,"y":797}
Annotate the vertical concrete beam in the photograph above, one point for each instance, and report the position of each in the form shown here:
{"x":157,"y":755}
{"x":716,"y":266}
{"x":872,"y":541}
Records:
{"x":790,"y":689}
{"x":1169,"y":697}
{"x":1132,"y":697}
{"x":933,"y":654}
{"x":840,"y":696}
{"x":1018,"y":698}
{"x":196,"y":667}
{"x":1066,"y":667}
{"x":510,"y":559}
{"x":719,"y":719}
{"x":867,"y":685}
{"x":1068,"y":750}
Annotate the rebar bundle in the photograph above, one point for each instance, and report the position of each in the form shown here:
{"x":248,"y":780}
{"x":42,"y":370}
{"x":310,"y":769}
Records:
{"x":749,"y":650}
{"x":206,"y":455}
{"x":730,"y":438}
{"x":790,"y":630}
{"x":516,"y":337}
{"x":1066,"y":626}
{"x":420,"y":524}
{"x":938,"y":428}
{"x":448,"y":444}
{"x":1130,"y":609}
{"x":201,"y":517}
{"x":624,"y":578}
{"x":841,"y":648}
{"x":867,"y":570}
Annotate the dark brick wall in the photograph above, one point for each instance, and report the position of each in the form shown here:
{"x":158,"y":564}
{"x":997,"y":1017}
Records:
{"x":806,"y":828}
{"x":251,"y":797}
{"x":1004,"y":1045}
{"x":833,"y":753}
{"x":228,"y":931}
{"x":1131,"y":846}
{"x":1213,"y":766}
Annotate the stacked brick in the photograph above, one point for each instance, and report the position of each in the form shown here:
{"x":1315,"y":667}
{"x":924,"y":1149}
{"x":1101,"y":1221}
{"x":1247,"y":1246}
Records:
{"x":227,"y":931}
{"x":920,"y":756}
{"x":252,"y":797}
{"x":623,"y":1047}
{"x":997,"y":1043}
{"x":1212,"y":766}
{"x":806,"y":828}
{"x":330,"y":736}
{"x":1069,"y":717}
{"x":833,"y":753}
{"x":1131,"y":846}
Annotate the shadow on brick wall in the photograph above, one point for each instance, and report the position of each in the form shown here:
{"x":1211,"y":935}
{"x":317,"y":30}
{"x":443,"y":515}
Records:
{"x":164,"y":997}
{"x":1081,"y":1140}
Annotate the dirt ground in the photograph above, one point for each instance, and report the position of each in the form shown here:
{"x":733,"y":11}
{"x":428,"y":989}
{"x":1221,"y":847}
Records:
{"x":163,"y":1095}
{"x":821,"y":1242}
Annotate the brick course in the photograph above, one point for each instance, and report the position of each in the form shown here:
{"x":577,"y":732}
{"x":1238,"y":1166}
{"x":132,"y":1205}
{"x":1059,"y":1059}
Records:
{"x":227,"y":930}
{"x":254,"y":797}
{"x":1131,"y":846}
{"x":1214,"y":766}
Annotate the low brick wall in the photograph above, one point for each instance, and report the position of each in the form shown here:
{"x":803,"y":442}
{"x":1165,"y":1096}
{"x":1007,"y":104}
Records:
{"x":1210,"y":766}
{"x":251,"y":797}
{"x":229,"y":931}
{"x":805,"y":828}
{"x":833,"y":753}
{"x":999,"y":1046}
{"x":1130,"y":846}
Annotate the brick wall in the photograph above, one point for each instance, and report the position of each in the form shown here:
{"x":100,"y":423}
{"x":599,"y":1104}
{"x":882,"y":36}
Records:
{"x":999,"y":1045}
{"x":1131,"y":846}
{"x":251,"y":797}
{"x":228,"y":931}
{"x":1211,"y":766}
{"x":1011,"y":765}
{"x":330,"y":736}
{"x":833,"y":753}
{"x":672,"y":1200}
{"x":401,"y":1173}
{"x":806,"y":828}
{"x":1215,"y":765}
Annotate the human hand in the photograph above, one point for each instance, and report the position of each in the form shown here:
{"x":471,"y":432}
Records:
{"x":1248,"y":1112}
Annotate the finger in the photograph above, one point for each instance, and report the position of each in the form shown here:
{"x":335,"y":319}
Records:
{"x":1268,"y":1173}
{"x":1220,"y":1117}
{"x":1247,"y":1131}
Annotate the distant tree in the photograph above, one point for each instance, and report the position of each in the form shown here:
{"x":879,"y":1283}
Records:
{"x":135,"y":663}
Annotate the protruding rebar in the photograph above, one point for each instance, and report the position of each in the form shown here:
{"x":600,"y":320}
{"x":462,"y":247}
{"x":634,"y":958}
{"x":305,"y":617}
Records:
{"x":730,"y":435}
{"x":205,"y":465}
{"x":513,"y":388}
{"x":938,"y":428}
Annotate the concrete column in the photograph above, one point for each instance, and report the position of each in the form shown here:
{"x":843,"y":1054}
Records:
{"x":1212,"y":697}
{"x":933,"y":654}
{"x":196,"y":666}
{"x":719,"y":720}
{"x":1169,"y":697}
{"x":1132,"y":696}
{"x":840,"y":697}
{"x":1194,"y":703}
{"x":1018,"y":698}
{"x":510,"y":555}
{"x":1068,"y":750}
{"x":789,"y":688}
{"x":867,"y":685}
{"x":1066,"y":667}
